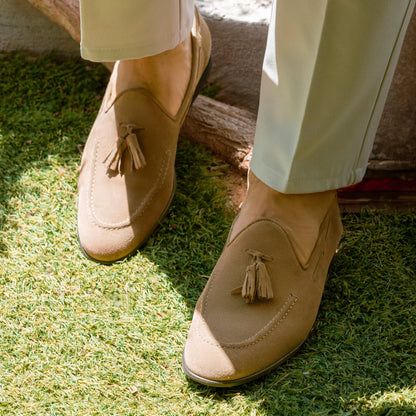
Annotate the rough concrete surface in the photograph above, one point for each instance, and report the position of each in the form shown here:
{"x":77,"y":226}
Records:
{"x":237,"y":55}
{"x":239,"y":32}
{"x":23,"y":27}
{"x":248,"y":11}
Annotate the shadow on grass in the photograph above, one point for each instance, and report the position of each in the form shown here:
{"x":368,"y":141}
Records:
{"x":359,"y":358}
{"x":193,"y":234}
{"x":47,"y":107}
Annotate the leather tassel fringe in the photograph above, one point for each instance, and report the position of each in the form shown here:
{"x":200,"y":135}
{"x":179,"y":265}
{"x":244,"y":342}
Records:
{"x":264,"y":284}
{"x":114,"y":158}
{"x":137,"y":160}
{"x":248,"y":290}
{"x":128,"y":143}
{"x":257,"y":282}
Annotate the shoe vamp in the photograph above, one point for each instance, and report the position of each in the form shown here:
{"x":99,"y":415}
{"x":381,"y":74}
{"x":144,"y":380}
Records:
{"x":118,"y":198}
{"x":233,"y":322}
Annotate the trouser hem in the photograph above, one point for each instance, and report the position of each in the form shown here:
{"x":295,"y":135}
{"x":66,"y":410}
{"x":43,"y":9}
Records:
{"x":305,"y":185}
{"x":135,"y":51}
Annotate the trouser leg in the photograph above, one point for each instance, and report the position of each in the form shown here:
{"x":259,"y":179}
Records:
{"x":130,"y":29}
{"x":327,"y":70}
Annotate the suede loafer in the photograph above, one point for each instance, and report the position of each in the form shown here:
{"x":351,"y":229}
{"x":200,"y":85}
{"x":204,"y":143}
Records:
{"x":127,"y":174}
{"x":259,"y":304}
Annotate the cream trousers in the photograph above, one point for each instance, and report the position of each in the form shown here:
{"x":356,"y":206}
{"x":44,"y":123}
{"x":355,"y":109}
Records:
{"x":326,"y":74}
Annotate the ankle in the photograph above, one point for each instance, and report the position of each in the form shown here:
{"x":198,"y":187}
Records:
{"x":166,"y":75}
{"x":289,"y":208}
{"x":300,"y":214}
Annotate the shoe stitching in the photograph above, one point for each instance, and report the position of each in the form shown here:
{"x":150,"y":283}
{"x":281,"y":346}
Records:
{"x":288,"y":305}
{"x":139,"y":210}
{"x":214,"y":276}
{"x":259,"y":336}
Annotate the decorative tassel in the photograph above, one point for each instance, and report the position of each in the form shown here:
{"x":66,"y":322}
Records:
{"x":137,"y":158}
{"x":249,"y":286}
{"x":114,"y":159}
{"x":264,"y":283}
{"x":257,"y":282}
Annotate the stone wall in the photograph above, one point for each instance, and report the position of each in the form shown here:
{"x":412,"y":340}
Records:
{"x":23,"y":27}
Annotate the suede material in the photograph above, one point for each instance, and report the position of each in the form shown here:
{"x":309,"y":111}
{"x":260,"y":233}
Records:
{"x":118,"y":211}
{"x":230,"y":339}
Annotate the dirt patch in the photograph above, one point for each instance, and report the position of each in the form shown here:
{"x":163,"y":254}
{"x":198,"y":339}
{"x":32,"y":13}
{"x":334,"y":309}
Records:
{"x":236,"y":186}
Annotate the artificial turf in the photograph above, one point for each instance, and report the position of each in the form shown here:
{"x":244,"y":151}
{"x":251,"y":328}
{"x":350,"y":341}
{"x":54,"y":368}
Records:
{"x":78,"y":338}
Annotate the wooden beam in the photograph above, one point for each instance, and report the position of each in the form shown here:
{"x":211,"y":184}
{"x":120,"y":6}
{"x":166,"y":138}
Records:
{"x":63,"y":12}
{"x":226,"y":130}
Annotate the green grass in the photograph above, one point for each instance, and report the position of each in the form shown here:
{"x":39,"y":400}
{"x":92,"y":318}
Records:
{"x":78,"y":338}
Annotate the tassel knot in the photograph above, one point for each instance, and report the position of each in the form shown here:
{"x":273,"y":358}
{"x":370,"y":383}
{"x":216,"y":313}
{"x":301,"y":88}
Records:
{"x":128,"y":143}
{"x":257,"y":282}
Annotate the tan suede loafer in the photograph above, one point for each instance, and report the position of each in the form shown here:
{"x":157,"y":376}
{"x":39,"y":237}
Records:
{"x":259,"y":304}
{"x":127,"y":176}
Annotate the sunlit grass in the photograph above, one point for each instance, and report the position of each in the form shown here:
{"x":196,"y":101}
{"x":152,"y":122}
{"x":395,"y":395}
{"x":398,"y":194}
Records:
{"x":78,"y":338}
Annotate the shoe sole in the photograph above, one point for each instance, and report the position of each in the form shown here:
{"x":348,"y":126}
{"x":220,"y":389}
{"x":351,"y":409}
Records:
{"x":238,"y":381}
{"x":201,"y":83}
